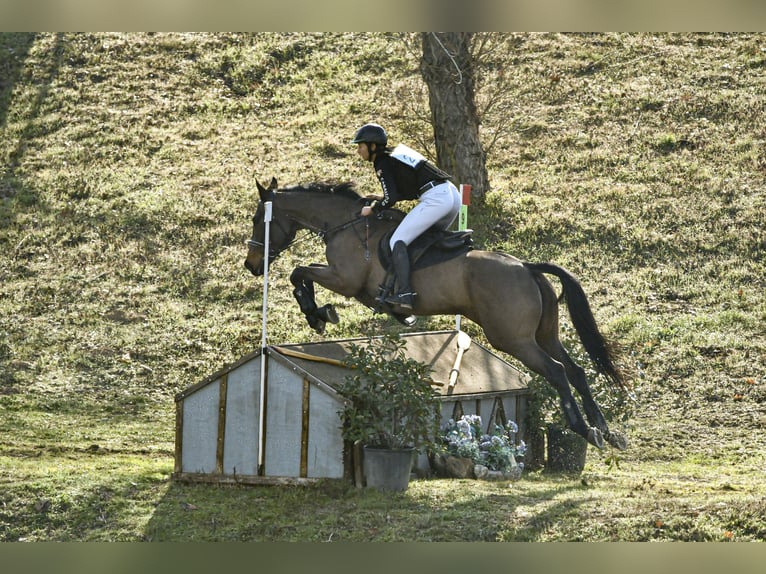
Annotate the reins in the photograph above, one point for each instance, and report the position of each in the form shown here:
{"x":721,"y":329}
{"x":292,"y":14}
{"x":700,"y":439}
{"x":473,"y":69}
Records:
{"x":323,"y":234}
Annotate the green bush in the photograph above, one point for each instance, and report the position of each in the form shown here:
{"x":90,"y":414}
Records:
{"x":391,"y":401}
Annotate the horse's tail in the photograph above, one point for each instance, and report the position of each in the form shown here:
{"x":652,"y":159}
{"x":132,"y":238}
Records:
{"x":583,"y":321}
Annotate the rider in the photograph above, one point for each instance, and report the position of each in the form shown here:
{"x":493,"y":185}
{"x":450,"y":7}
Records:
{"x":406,"y":174}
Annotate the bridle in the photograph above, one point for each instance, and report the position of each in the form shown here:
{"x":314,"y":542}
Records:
{"x":323,"y":233}
{"x":273,"y":253}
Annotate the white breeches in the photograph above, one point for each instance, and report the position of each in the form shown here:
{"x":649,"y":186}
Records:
{"x":438,"y":206}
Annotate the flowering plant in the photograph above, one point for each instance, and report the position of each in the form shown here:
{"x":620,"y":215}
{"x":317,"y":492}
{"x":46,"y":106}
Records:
{"x":496,"y":450}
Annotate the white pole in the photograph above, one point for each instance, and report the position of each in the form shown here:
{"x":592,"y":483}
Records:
{"x":262,"y":392}
{"x":462,"y":224}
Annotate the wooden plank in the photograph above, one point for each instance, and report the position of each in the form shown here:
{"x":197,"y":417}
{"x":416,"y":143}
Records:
{"x":245,"y":479}
{"x":308,"y":356}
{"x":325,"y":438}
{"x":221,"y":423}
{"x":474,"y":396}
{"x":283,"y":422}
{"x":242,"y":425}
{"x":200,"y":430}
{"x":498,"y":416}
{"x":358,"y":470}
{"x":217,"y":375}
{"x":521,"y":415}
{"x":179,"y":435}
{"x":263,"y":426}
{"x":305,"y":428}
{"x":457,"y":411}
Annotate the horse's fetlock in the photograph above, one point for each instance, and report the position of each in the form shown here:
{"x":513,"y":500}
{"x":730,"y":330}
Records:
{"x":305,"y":301}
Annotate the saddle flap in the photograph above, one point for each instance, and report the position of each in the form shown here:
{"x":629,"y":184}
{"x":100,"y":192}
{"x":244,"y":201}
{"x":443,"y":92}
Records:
{"x":432,"y":247}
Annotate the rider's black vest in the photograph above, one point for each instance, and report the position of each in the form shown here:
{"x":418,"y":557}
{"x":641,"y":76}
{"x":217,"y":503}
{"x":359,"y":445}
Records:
{"x":401,"y":181}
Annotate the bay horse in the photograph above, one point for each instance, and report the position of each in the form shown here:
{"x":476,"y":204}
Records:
{"x":511,"y":300}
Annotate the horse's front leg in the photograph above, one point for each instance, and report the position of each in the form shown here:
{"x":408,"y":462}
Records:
{"x":303,"y":283}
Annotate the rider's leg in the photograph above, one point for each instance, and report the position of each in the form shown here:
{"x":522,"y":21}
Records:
{"x":404,"y":296}
{"x":438,"y":206}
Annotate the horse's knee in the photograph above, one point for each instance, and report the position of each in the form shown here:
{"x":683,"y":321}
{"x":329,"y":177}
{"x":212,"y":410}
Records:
{"x":296,"y":277}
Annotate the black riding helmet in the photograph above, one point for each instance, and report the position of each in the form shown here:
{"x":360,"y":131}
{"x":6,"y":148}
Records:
{"x":371,"y":133}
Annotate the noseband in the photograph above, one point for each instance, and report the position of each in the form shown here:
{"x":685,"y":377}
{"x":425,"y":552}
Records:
{"x":273,"y":253}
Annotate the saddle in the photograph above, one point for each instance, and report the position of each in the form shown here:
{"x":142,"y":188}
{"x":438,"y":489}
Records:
{"x":432,"y":247}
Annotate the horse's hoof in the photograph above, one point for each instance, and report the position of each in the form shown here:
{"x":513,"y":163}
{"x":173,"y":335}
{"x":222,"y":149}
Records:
{"x":617,"y":440}
{"x":595,"y":437}
{"x":316,"y":323}
{"x":328,"y":314}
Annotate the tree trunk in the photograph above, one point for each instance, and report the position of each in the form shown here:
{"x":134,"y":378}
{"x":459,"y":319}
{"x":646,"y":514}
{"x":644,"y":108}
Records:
{"x":447,"y":68}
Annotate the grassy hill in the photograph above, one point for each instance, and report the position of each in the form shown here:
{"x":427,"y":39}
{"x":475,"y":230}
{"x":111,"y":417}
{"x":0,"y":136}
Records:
{"x":127,"y":183}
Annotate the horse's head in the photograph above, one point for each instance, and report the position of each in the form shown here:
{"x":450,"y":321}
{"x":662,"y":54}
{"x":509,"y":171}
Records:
{"x":281,"y":231}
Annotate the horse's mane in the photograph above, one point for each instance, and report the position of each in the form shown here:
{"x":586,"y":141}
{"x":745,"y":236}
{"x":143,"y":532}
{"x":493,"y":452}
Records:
{"x":346,"y":189}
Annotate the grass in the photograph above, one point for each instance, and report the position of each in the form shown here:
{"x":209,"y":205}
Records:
{"x":127,"y":188}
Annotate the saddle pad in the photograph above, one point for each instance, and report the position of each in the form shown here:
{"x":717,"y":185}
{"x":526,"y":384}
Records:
{"x":431,"y":248}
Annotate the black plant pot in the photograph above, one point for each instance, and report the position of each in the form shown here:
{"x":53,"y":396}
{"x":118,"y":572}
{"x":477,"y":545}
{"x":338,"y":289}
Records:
{"x":387,"y":469}
{"x":566,"y":450}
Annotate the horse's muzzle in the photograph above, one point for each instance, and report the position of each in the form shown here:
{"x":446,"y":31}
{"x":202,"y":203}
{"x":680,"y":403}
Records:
{"x":256,"y":270}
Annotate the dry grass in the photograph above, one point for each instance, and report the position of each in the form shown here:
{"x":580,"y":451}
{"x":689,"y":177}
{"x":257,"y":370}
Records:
{"x":127,"y":188}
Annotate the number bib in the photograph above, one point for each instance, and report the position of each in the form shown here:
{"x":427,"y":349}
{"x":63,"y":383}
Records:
{"x":407,"y":155}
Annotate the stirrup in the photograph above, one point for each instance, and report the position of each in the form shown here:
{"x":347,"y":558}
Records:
{"x":403,"y":300}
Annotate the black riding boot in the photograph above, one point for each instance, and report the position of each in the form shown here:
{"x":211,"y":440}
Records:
{"x":404,"y":297}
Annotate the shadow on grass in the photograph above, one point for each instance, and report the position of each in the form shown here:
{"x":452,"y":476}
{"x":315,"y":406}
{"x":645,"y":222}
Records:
{"x":437,"y":510}
{"x":14,"y":51}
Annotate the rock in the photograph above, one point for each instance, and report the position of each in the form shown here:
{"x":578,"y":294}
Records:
{"x":480,"y":471}
{"x":514,"y":473}
{"x":459,"y":467}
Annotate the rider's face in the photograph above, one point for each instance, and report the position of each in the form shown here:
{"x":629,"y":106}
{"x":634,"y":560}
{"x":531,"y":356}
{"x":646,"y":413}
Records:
{"x":364,"y":151}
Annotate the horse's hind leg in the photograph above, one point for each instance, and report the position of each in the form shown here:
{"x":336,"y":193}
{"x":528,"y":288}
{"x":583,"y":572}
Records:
{"x":547,"y":337}
{"x":592,"y":410}
{"x":576,"y":375}
{"x":535,"y":358}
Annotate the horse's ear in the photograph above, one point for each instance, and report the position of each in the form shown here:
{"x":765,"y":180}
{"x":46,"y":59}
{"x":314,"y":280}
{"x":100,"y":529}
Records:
{"x":266,"y":194}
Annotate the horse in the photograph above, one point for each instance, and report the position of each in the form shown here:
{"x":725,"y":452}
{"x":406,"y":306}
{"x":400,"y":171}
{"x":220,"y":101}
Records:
{"x":512,"y":300}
